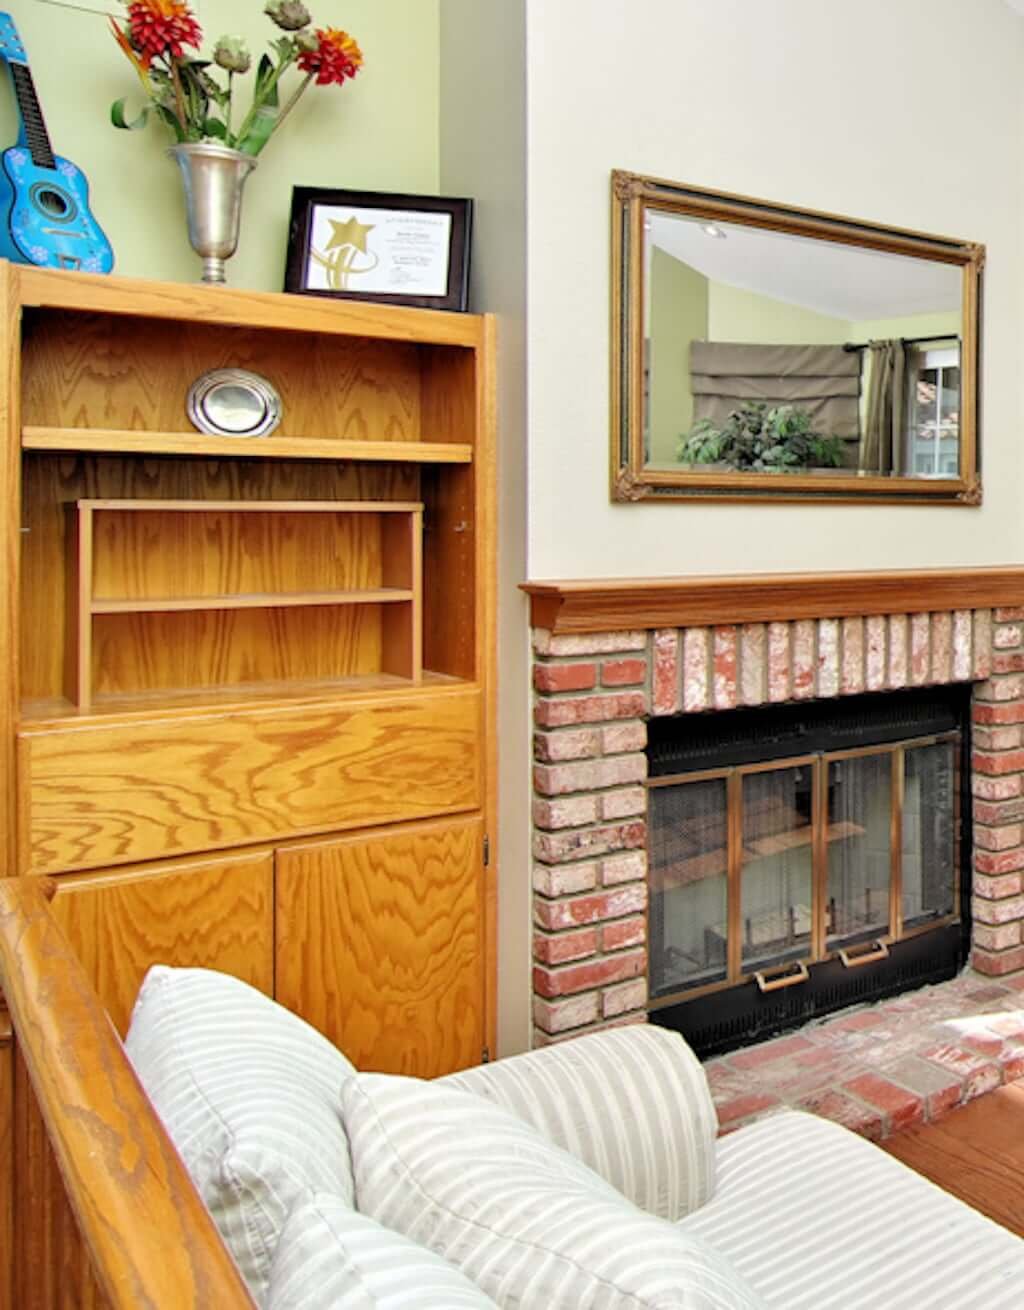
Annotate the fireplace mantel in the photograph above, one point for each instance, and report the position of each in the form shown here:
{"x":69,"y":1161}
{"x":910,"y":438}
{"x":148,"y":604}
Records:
{"x":617,"y":604}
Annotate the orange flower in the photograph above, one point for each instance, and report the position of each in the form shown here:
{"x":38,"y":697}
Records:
{"x":162,"y":27}
{"x":140,"y":62}
{"x":336,"y":58}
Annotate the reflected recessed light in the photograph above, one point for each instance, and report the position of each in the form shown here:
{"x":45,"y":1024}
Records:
{"x":712,"y":230}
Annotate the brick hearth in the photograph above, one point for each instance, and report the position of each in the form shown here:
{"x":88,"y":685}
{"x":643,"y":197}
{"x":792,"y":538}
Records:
{"x":594,"y":693}
{"x":884,"y":1067}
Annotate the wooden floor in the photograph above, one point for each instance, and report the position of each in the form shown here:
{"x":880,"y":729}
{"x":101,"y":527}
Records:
{"x":977,"y":1153}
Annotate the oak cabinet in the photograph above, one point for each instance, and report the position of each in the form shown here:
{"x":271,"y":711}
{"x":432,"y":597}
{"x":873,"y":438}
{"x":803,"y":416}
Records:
{"x":252,"y":700}
{"x":198,"y":913}
{"x":380,"y":944}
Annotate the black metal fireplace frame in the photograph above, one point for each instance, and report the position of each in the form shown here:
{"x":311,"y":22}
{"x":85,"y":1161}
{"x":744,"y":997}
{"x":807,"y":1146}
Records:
{"x":722,"y":1018}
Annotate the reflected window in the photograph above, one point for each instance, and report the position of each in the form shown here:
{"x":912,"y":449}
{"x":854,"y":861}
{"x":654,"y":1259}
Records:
{"x":934,"y":426}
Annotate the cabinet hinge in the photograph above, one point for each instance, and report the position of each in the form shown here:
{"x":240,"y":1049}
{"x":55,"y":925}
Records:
{"x":487,"y":851}
{"x":485,"y":1055}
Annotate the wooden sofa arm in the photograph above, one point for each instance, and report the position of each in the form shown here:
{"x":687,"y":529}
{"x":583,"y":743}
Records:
{"x":150,"y":1239}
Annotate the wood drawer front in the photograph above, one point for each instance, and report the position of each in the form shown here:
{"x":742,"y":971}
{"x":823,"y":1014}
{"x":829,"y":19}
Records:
{"x":208,"y":914}
{"x":380,"y":944}
{"x":100,"y":795}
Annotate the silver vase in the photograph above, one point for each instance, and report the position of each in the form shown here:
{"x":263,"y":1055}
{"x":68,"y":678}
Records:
{"x":213,"y":176}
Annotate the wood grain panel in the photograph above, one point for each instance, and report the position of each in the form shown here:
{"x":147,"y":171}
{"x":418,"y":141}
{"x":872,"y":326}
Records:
{"x":210,"y":914}
{"x":122,"y":296}
{"x":110,"y":440}
{"x":52,"y":1269}
{"x":6,"y":1159}
{"x":161,"y":553}
{"x":608,"y":605}
{"x":147,"y":1232}
{"x":103,"y":795}
{"x":94,"y":371}
{"x":225,"y":648}
{"x":380,"y":945}
{"x":10,"y":555}
{"x":51,"y":482}
{"x":452,"y":387}
{"x":976,"y":1153}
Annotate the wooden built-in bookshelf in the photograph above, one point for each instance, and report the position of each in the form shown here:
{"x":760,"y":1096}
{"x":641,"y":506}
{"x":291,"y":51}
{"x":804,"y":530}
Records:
{"x":279,"y":649}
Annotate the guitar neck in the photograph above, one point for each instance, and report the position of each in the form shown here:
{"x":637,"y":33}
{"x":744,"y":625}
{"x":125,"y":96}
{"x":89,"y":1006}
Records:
{"x":36,"y":136}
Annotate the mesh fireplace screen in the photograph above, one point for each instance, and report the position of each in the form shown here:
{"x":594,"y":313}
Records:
{"x":762,"y":869}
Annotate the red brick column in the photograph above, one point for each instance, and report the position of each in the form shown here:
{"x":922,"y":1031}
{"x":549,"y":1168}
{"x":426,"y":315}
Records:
{"x":998,"y":787}
{"x":590,"y":831}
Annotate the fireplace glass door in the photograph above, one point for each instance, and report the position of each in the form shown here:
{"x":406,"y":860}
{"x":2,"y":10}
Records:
{"x":759,"y":870}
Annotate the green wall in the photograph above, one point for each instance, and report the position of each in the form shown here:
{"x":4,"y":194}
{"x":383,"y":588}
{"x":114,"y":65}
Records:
{"x":910,"y":325}
{"x":378,"y":132}
{"x":735,"y":314}
{"x":679,"y":315}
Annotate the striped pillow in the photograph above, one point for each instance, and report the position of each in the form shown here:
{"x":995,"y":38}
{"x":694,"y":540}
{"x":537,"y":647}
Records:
{"x":249,"y":1095}
{"x":331,"y":1258}
{"x":527,"y":1222}
{"x":632,"y":1103}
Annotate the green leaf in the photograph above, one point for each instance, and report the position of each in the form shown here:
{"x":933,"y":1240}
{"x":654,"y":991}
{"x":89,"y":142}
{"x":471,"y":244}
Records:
{"x":264,"y":73}
{"x":214,"y":127}
{"x":264,"y":120}
{"x":117,"y":117}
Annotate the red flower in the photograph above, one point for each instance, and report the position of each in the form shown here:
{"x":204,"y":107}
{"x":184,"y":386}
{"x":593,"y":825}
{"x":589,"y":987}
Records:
{"x":336,"y":58}
{"x":162,"y":27}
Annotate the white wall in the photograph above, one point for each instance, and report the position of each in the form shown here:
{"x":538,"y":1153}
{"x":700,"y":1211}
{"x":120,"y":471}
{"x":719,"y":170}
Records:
{"x":483,"y":129}
{"x":906,"y":112}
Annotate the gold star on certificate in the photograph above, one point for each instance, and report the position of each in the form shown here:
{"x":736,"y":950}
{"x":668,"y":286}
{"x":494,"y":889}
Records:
{"x":351,"y":233}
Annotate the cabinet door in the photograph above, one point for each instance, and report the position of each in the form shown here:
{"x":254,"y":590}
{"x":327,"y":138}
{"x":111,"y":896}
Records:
{"x":211,"y":913}
{"x":380,"y":944}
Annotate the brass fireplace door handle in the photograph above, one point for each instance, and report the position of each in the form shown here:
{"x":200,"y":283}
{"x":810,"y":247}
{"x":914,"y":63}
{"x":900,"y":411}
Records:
{"x":788,"y":975}
{"x":854,"y":957}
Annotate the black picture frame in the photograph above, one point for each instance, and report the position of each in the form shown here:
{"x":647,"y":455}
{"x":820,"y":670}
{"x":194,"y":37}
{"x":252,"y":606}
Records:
{"x":308,"y":214}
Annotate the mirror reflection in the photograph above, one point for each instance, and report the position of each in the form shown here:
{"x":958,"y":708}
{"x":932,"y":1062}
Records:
{"x":772,"y":352}
{"x":763,"y":351}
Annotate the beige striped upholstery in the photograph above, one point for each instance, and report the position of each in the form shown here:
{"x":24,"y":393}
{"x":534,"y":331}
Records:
{"x":632,"y":1103}
{"x":528,"y":1223}
{"x":815,"y":1216}
{"x":331,"y":1258}
{"x":250,"y":1096}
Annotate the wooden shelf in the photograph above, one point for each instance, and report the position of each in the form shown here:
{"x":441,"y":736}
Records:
{"x":118,"y":441}
{"x":268,"y":600}
{"x":171,"y":593}
{"x":227,"y":307}
{"x":264,"y":695}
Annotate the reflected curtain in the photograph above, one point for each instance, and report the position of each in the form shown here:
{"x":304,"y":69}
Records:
{"x":823,"y":380}
{"x":885,"y":421}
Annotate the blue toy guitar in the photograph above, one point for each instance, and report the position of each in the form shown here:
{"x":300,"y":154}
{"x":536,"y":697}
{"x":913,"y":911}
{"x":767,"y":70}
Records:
{"x":44,"y":200}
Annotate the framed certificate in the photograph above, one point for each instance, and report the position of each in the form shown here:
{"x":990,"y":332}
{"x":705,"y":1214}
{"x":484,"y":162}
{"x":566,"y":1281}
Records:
{"x":370,"y":245}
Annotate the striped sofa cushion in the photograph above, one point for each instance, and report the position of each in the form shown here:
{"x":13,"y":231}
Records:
{"x":820,"y":1219}
{"x":632,"y":1103}
{"x":249,"y":1095}
{"x":331,"y":1258}
{"x":527,"y":1222}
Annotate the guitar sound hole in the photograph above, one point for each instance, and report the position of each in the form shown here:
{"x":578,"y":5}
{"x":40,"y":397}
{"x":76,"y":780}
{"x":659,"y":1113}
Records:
{"x":52,"y":203}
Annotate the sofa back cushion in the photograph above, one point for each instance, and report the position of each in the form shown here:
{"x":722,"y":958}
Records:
{"x":632,"y":1103}
{"x":332,"y":1258}
{"x":530,"y":1224}
{"x":249,"y":1095}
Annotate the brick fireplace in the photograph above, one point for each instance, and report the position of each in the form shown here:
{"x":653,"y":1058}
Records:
{"x":608,"y":657}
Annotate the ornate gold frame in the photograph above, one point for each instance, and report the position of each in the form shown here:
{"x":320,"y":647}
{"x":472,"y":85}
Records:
{"x":631,"y":480}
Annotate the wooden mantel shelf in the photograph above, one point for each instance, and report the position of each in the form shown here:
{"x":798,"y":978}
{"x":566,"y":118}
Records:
{"x":613,"y":604}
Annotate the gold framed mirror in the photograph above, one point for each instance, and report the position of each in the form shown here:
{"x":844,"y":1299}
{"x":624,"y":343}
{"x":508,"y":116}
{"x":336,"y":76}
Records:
{"x":765,"y":352}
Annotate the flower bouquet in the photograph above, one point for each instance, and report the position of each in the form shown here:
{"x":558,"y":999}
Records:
{"x":194,"y":97}
{"x":216,"y":147}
